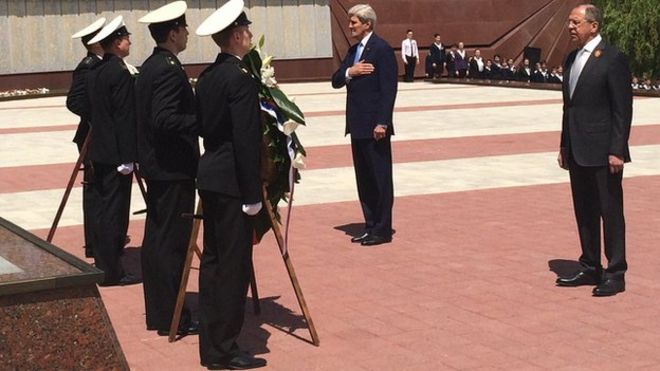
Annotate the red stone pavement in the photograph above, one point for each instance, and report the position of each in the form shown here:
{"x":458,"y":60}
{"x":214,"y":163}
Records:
{"x":40,"y":177}
{"x":467,"y":284}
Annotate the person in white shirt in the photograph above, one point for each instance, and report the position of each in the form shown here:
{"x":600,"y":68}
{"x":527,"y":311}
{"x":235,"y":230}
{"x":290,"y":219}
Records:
{"x":410,"y":55}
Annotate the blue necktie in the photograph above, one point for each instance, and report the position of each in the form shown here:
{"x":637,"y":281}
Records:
{"x":358,"y":53}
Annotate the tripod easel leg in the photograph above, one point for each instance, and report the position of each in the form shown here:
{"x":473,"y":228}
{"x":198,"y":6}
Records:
{"x":255,"y":293}
{"x":69,"y":186}
{"x":192,"y":248}
{"x":289,"y":267}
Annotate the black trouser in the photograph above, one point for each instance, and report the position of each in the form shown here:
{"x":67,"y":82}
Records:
{"x":410,"y":68}
{"x":112,"y":192}
{"x":598,"y":195}
{"x":373,"y":173}
{"x":164,"y":248}
{"x":88,"y":204}
{"x":224,"y":276}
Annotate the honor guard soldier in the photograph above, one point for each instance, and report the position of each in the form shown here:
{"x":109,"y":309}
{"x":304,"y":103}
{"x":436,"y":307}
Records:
{"x":230,"y":187}
{"x":168,"y":152}
{"x":113,"y":149}
{"x":76,"y":102}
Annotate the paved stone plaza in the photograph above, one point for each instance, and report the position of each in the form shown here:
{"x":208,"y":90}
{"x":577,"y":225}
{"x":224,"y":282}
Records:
{"x":483,"y":219}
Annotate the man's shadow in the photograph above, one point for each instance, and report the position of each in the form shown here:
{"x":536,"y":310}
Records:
{"x":354,"y":229}
{"x":273,"y":315}
{"x":255,"y":334}
{"x":564,"y":268}
{"x":351,"y":229}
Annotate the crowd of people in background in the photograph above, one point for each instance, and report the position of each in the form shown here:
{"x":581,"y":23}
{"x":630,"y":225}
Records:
{"x":452,"y":60}
{"x":645,"y":84}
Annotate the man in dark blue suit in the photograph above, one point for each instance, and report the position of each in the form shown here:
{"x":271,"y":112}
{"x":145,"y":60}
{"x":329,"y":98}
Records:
{"x":594,"y":147}
{"x":369,"y":73}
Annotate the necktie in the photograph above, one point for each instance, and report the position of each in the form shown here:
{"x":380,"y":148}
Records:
{"x":358,"y":53}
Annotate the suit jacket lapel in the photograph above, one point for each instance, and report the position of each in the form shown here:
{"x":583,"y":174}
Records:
{"x":367,"y":48}
{"x":588,"y":67}
{"x":567,"y":73}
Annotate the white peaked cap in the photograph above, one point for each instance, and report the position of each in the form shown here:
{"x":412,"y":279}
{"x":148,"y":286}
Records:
{"x":108,"y":30}
{"x":221,"y":18}
{"x":89,"y":29}
{"x":165,"y":13}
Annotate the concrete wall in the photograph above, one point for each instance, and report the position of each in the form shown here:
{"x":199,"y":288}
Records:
{"x":36,"y":33}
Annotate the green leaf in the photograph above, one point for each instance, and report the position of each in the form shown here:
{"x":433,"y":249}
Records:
{"x":289,"y":108}
{"x":261,"y":41}
{"x":253,"y":61}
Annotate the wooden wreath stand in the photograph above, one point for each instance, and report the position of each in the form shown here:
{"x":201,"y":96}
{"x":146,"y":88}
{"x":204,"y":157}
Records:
{"x":192,"y":248}
{"x":67,"y":191}
{"x":74,"y":174}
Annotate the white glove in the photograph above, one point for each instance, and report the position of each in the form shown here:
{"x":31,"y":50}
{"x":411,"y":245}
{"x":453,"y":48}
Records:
{"x":252,"y":209}
{"x":125,"y":169}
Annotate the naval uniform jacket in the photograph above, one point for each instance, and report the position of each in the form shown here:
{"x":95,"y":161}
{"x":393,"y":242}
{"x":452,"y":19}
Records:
{"x":230,"y":119}
{"x":110,"y":88}
{"x":167,"y":124}
{"x":76,"y":100}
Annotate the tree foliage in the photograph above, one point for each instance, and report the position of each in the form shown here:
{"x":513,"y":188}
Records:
{"x":634,"y":27}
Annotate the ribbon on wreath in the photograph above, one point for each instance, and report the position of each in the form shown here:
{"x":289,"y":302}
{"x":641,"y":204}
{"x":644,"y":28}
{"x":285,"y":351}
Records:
{"x":270,"y":109}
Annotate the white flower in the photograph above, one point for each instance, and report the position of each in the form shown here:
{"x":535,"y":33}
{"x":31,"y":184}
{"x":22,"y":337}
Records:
{"x":268,"y":76}
{"x":289,"y":127}
{"x":299,"y":161}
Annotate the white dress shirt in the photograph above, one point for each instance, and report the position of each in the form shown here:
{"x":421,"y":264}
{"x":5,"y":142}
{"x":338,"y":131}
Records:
{"x":580,"y":60}
{"x":480,"y":63}
{"x":409,"y":49}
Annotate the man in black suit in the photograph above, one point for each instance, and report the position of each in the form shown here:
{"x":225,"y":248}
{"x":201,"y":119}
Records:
{"x":113,"y":149}
{"x":450,"y":61}
{"x":594,"y":147}
{"x":524,"y":73}
{"x":168,"y":153}
{"x":476,"y":65}
{"x":496,"y":72}
{"x":77,"y":102}
{"x":230,"y":187}
{"x":436,"y":57}
{"x":369,"y":73}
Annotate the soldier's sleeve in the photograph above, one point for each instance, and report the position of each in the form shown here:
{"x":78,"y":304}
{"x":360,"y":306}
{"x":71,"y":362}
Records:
{"x":76,"y":99}
{"x":246,"y":133}
{"x":167,"y":104}
{"x":123,"y":101}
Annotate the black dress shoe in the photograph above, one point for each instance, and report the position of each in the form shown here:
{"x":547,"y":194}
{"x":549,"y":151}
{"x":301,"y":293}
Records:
{"x":125,"y":280}
{"x":242,"y":361}
{"x":191,"y":329}
{"x":360,"y":238}
{"x":580,"y":279}
{"x":373,"y":240}
{"x":129,"y":279}
{"x":610,"y":287}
